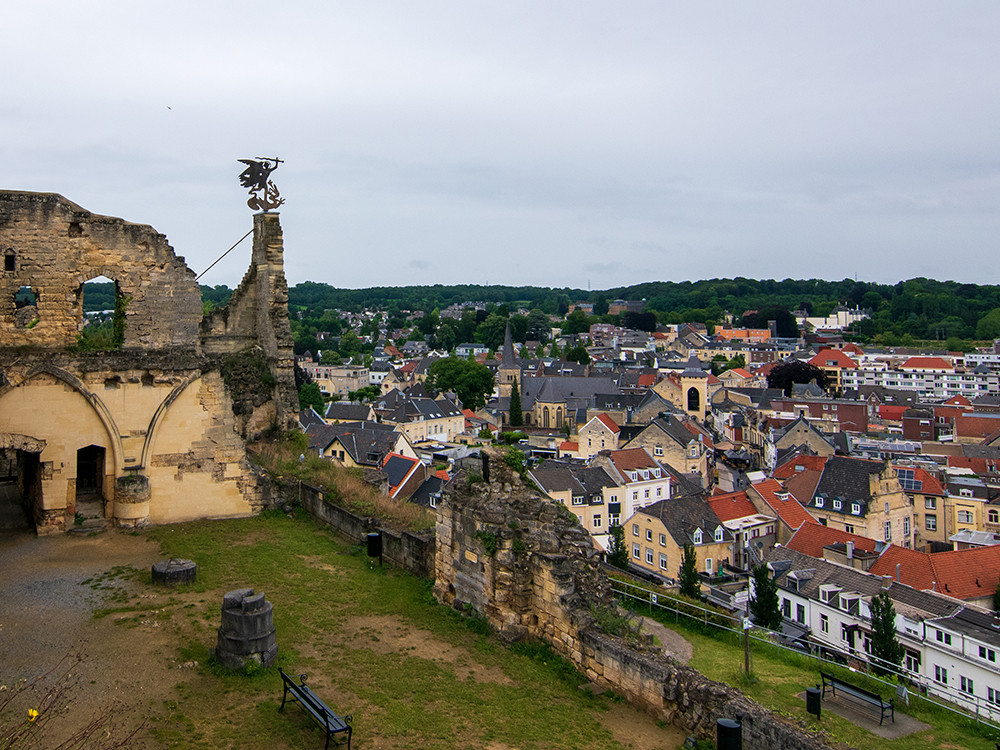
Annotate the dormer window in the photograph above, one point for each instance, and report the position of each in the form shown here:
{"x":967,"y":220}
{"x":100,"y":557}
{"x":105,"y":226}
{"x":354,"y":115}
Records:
{"x":856,"y":509}
{"x":837,"y":504}
{"x":819,"y":501}
{"x":718,"y":534}
{"x":697,"y":536}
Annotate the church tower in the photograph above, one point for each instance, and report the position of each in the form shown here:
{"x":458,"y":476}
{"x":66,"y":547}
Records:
{"x":694,"y":389}
{"x":509,"y":370}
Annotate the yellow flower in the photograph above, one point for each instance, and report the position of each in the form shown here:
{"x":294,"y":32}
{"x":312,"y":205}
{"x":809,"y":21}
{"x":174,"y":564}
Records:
{"x":32,"y":714}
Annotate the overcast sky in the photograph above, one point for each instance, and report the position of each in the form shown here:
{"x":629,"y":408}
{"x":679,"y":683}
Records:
{"x":551,"y":143}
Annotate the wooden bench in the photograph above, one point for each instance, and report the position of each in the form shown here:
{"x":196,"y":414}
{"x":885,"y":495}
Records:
{"x":316,"y":708}
{"x":873,"y":699}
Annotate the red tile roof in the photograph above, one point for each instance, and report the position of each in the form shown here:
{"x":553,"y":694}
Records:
{"x":732,"y":505}
{"x":958,"y":400}
{"x":926,"y":363}
{"x":852,"y":348}
{"x":811,"y":538}
{"x":569,"y":446}
{"x":791,"y":468}
{"x":741,"y":372}
{"x":647,"y":380}
{"x":790,"y":510}
{"x":608,"y":422}
{"x":978,"y":465}
{"x":712,"y":380}
{"x":630,"y":459}
{"x":442,"y":474}
{"x":836,"y":356}
{"x":964,"y":574}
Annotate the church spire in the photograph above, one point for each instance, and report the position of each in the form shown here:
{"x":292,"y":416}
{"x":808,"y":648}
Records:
{"x":508,"y":362}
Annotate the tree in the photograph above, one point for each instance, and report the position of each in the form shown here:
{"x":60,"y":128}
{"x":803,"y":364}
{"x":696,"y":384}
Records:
{"x":516,"y":415}
{"x":784,"y":374}
{"x":764,"y":605}
{"x":576,"y":322}
{"x":491,"y":331}
{"x":617,"y":550}
{"x":886,"y":651}
{"x":470,"y":380}
{"x":331,"y":357}
{"x":310,"y":395}
{"x":690,"y":585}
{"x":578,"y":354}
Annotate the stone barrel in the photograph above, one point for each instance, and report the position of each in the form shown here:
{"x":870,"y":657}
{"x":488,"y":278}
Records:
{"x":174,"y":571}
{"x":247,"y":631}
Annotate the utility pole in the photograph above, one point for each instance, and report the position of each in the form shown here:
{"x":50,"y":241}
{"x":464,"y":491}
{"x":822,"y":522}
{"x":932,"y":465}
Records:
{"x":746,"y":646}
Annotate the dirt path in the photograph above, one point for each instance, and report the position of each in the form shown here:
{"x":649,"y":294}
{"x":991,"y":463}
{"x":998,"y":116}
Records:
{"x":46,"y":614}
{"x":670,"y":641}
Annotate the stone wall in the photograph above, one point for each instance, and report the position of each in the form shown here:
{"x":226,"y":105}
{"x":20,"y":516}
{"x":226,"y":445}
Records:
{"x":409,"y":550}
{"x":526,"y":565}
{"x":53,"y":246}
{"x":166,"y":413}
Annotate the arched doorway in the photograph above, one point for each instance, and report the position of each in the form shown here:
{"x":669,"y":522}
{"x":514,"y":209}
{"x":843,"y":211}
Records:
{"x":694,"y":400}
{"x":90,"y":462}
{"x":20,"y":484}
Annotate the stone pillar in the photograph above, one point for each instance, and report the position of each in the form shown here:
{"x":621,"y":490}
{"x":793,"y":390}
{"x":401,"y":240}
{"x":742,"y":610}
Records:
{"x":273,"y":330}
{"x":131,"y":501}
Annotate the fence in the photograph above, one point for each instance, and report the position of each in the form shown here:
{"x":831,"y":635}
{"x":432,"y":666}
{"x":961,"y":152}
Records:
{"x":970,"y":707}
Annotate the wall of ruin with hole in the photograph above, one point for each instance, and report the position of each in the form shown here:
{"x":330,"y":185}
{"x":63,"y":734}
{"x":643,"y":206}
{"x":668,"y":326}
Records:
{"x":166,"y":416}
{"x":525,"y":564}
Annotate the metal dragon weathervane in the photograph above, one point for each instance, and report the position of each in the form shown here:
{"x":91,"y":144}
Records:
{"x":263,"y":194}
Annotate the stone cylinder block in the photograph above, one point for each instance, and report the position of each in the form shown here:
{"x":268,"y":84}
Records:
{"x":247,"y":631}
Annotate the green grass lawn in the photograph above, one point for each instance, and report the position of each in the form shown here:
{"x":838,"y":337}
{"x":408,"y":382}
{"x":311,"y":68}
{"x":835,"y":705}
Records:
{"x":413,"y":673}
{"x":780,"y":676}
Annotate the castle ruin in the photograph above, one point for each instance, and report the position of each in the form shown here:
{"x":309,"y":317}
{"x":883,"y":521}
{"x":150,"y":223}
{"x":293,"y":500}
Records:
{"x":154,"y":431}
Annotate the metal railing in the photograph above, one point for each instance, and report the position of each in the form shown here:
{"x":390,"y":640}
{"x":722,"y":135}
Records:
{"x":970,"y":707}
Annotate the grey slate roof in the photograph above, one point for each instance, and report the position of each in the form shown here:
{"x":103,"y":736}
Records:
{"x":347,"y":411}
{"x":682,"y":516}
{"x":365,"y":442}
{"x":847,"y":479}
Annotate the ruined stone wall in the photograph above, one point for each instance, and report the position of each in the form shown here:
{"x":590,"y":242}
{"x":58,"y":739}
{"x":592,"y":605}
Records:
{"x":163,"y":418}
{"x":411,"y":551}
{"x":526,"y":565}
{"x":257,"y":316}
{"x":53,"y":246}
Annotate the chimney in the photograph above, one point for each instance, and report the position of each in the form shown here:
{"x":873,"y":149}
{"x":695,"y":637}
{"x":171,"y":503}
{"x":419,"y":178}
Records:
{"x":782,"y":496}
{"x":850,"y":550}
{"x":898,"y":565}
{"x":886,"y":582}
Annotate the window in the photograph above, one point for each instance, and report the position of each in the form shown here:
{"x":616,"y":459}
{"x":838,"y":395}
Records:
{"x":657,"y":451}
{"x":856,"y":509}
{"x":786,"y":608}
{"x":888,"y":531}
{"x":930,"y":522}
{"x":943,"y":637}
{"x":649,"y":556}
{"x":697,"y":536}
{"x":930,"y":503}
{"x":906,"y":526}
{"x":597,"y":521}
{"x":987,"y":653}
{"x":993,"y":516}
{"x":708,"y":565}
{"x":663,"y":540}
{"x":649,"y":535}
{"x":819,"y":501}
{"x":635,"y":529}
{"x":636,"y":551}
{"x":659,"y":491}
{"x":613,"y":519}
{"x":824,"y":623}
{"x":887,"y":507}
{"x":965,"y":685}
{"x":577,"y":499}
{"x":966,"y":516}
{"x":635,"y":495}
{"x":848,"y":528}
{"x":965,"y":492}
{"x":800,"y":613}
{"x":836,"y":504}
{"x":646,"y":492}
{"x":663,"y":562}
{"x":719,"y":534}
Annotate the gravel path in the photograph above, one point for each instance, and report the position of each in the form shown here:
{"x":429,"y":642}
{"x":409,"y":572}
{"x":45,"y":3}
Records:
{"x":46,"y":614}
{"x":672,"y":642}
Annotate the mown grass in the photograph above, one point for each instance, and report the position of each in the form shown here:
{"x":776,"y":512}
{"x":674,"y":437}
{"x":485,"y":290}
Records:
{"x":780,"y":676}
{"x":400,"y":697}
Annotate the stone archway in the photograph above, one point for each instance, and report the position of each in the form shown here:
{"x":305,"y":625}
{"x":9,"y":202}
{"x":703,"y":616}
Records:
{"x":20,"y":481}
